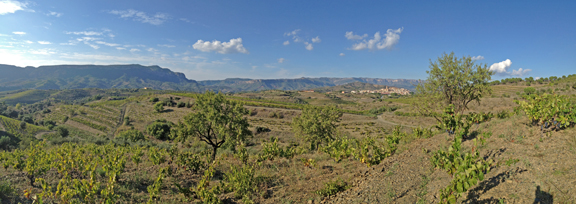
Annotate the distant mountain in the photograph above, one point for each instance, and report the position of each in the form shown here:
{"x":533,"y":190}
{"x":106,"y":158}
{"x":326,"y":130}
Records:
{"x":354,"y":86}
{"x":155,"y":77}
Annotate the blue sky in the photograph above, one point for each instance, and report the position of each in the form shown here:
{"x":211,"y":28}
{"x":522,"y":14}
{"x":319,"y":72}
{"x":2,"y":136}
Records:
{"x":291,"y":39}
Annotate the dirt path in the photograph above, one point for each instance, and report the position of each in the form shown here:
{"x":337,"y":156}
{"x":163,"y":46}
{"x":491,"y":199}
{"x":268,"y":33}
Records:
{"x":40,"y":134}
{"x":121,"y":119}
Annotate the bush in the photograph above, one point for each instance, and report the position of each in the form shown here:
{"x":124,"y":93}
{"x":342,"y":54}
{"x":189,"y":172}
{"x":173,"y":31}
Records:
{"x":22,"y":125}
{"x":63,"y":120}
{"x":154,"y":100}
{"x":62,"y":131}
{"x":159,"y":107}
{"x":332,"y":187}
{"x":262,"y":129}
{"x":160,"y":129}
{"x":181,"y":104}
{"x":529,"y":90}
{"x":131,"y":135}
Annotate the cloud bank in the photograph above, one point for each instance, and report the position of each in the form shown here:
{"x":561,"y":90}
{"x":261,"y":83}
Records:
{"x":7,"y":7}
{"x":234,"y":46}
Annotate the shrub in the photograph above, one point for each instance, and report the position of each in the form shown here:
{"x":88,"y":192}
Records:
{"x":62,"y":131}
{"x":154,"y":100}
{"x":160,"y":129}
{"x":131,"y":135}
{"x":159,"y":107}
{"x":529,"y":90}
{"x":332,"y":187}
{"x":241,"y":181}
{"x":262,"y":129}
{"x":181,"y":104}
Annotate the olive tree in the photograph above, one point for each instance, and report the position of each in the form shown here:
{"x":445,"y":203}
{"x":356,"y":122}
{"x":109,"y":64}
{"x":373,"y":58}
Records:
{"x":452,"y":80}
{"x":316,"y":124}
{"x":216,"y":121}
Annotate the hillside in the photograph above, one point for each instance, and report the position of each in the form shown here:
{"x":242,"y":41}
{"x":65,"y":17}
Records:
{"x":155,"y":77}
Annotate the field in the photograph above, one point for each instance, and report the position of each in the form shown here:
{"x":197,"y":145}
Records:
{"x":530,"y":166}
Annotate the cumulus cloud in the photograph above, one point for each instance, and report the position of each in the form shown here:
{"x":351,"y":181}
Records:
{"x":292,"y":33}
{"x":281,"y":60}
{"x":28,"y":41}
{"x":501,"y":68}
{"x":309,"y":46}
{"x":7,"y":7}
{"x":44,"y":42}
{"x":342,"y":54}
{"x":88,"y":33}
{"x":316,"y":39}
{"x":52,"y":13}
{"x":286,"y":42}
{"x":387,"y":41}
{"x":479,"y":57}
{"x":157,"y":19}
{"x":234,"y":46}
{"x":350,"y":36}
{"x":19,"y":33}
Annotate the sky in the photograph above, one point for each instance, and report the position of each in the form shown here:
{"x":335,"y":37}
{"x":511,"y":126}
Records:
{"x":210,"y":40}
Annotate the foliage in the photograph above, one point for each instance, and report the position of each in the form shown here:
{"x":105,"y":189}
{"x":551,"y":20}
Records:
{"x":332,"y":187}
{"x":340,"y":148}
{"x":160,"y":129}
{"x":190,"y":161}
{"x":555,"y":111}
{"x":466,"y":168}
{"x":241,"y":180}
{"x":131,"y":135}
{"x":452,"y":81}
{"x":201,"y":191}
{"x":316,"y":124}
{"x":90,"y":124}
{"x":62,"y":131}
{"x":450,"y":121}
{"x":216,"y":121}
{"x":159,"y":107}
{"x":271,"y":150}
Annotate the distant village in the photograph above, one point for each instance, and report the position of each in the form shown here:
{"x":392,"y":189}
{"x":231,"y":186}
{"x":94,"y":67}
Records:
{"x":385,"y":91}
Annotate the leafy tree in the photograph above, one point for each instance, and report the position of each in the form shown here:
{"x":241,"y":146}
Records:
{"x":529,"y":90}
{"x":62,"y":131}
{"x":452,"y":80}
{"x":160,"y":129}
{"x":316,"y":124}
{"x":159,"y":107}
{"x":217,"y":121}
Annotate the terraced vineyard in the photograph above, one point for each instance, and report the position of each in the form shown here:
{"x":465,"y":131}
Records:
{"x":13,"y":127}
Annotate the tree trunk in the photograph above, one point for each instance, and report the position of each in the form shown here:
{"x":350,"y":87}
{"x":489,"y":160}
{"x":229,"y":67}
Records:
{"x":214,"y":148}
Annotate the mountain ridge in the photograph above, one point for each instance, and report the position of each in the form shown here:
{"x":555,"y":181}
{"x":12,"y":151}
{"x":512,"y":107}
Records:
{"x":156,"y":77}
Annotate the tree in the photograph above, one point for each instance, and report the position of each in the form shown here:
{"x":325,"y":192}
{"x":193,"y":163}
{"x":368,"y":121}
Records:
{"x":160,"y":129}
{"x":159,"y":107}
{"x":62,"y":131}
{"x":131,"y":135}
{"x":452,"y":81}
{"x":217,"y":121}
{"x":316,"y":124}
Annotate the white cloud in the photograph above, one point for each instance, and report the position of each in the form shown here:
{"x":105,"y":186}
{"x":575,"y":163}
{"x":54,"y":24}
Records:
{"x":309,"y":46}
{"x":52,"y":13}
{"x":28,"y":41}
{"x":281,"y":60}
{"x":234,"y":46}
{"x":134,"y":50}
{"x":42,"y":52}
{"x":19,"y":33}
{"x":157,"y":19}
{"x":92,"y":45}
{"x":479,"y":57}
{"x":120,"y":48}
{"x":342,"y":54}
{"x":44,"y":42}
{"x":536,"y":78}
{"x":390,"y":39}
{"x":152,"y":50}
{"x":287,"y":42}
{"x":316,"y":39}
{"x":350,"y":36}
{"x":501,"y":67}
{"x":88,"y":33}
{"x":166,"y":45}
{"x":7,"y":7}
{"x":185,"y":20}
{"x":107,"y":44}
{"x":520,"y":72}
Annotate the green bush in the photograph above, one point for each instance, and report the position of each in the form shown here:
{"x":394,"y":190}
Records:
{"x":131,"y":135}
{"x":332,"y":187}
{"x":154,"y":100}
{"x":62,"y":131}
{"x":160,"y":129}
{"x":159,"y":107}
